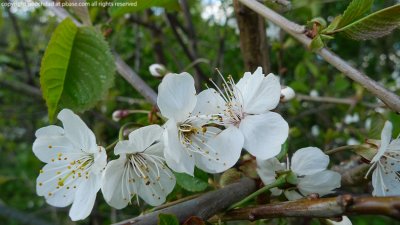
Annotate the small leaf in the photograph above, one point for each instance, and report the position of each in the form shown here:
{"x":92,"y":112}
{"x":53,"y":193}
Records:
{"x":167,"y":219}
{"x":355,"y":10}
{"x":375,"y":25}
{"x":130,"y":6}
{"x":333,"y":25}
{"x":316,"y":43}
{"x":77,"y":68}
{"x":320,"y":21}
{"x":366,"y":151}
{"x":189,"y":183}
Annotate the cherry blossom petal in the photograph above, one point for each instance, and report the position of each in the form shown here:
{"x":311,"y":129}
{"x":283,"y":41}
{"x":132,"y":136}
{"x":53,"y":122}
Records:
{"x":77,"y":131}
{"x":139,"y":140}
{"x":323,"y":182}
{"x":56,"y":184}
{"x":176,"y":96}
{"x":209,"y":102}
{"x":267,"y":169}
{"x":292,"y":195}
{"x":345,"y":221}
{"x":310,"y":160}
{"x":266,"y":97}
{"x":386,"y":136}
{"x":54,"y":148}
{"x":176,"y":156}
{"x":85,"y":197}
{"x":160,"y":183}
{"x":119,"y":183}
{"x":386,"y":178}
{"x":264,"y":134}
{"x":220,"y":152}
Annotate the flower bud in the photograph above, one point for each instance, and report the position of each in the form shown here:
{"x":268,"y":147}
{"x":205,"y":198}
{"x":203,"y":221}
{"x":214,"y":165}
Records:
{"x":157,"y":70}
{"x":120,"y":114}
{"x":287,"y":94}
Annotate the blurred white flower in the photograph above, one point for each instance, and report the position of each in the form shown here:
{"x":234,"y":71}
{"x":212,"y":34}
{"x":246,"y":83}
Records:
{"x":287,"y":94}
{"x":351,"y":118}
{"x":246,"y":106}
{"x":314,"y":93}
{"x":157,"y":70}
{"x":140,"y":170}
{"x":120,"y":114}
{"x":345,"y":221}
{"x":386,"y":166}
{"x":190,"y":138}
{"x":74,"y":165}
{"x":267,"y":169}
{"x":309,"y":165}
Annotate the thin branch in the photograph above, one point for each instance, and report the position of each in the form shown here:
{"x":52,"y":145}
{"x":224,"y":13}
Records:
{"x":20,"y":44}
{"x":204,"y":206}
{"x":389,"y":98}
{"x":124,"y":70}
{"x":318,"y":208}
{"x":173,"y":22}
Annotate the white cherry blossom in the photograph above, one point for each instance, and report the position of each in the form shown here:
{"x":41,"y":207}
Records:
{"x":191,"y":137}
{"x":309,"y":165}
{"x":385,"y":165}
{"x":74,"y":165}
{"x":140,"y":170}
{"x":247,"y":106}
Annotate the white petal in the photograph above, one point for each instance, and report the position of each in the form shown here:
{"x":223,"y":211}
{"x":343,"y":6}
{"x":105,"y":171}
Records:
{"x":264,"y":134}
{"x":177,"y":158}
{"x":266,"y":169}
{"x":323,"y":183}
{"x":209,"y":102}
{"x":385,"y":180}
{"x":275,"y":191}
{"x":220,"y":152}
{"x":49,"y":148}
{"x":160,"y":183}
{"x":345,"y":221}
{"x":77,"y":131}
{"x":292,"y":195}
{"x":48,"y":184}
{"x":176,"y":96}
{"x":139,"y":140}
{"x":85,"y":197}
{"x":394,"y":145}
{"x":386,"y":135}
{"x":116,"y":187}
{"x":264,"y":97}
{"x":100,"y":161}
{"x":310,"y":160}
{"x":48,"y":131}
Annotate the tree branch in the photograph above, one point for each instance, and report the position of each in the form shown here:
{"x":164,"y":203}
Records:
{"x":389,"y":98}
{"x":319,"y":208}
{"x":204,"y":206}
{"x":20,"y":44}
{"x":124,"y":70}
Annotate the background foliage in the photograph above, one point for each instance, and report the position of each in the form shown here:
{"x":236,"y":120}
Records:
{"x":326,"y":125}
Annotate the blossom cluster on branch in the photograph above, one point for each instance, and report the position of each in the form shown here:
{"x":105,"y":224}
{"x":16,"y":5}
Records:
{"x":207,"y":130}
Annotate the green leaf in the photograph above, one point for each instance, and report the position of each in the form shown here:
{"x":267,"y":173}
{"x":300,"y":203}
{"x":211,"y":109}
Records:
{"x":355,"y":10}
{"x":121,"y":7}
{"x":77,"y":68}
{"x":192,"y":184}
{"x":375,"y":25}
{"x":167,"y":219}
{"x":316,"y":43}
{"x":333,"y":25}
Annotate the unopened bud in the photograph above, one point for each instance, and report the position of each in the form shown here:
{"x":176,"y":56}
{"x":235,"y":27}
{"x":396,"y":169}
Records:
{"x":119,"y":114}
{"x":157,"y":70}
{"x":287,"y":94}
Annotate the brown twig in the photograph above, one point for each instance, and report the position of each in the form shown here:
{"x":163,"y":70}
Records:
{"x":204,"y":206}
{"x":319,"y":208}
{"x":389,"y":98}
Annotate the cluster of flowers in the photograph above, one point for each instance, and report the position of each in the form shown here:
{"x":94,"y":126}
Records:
{"x":207,"y":130}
